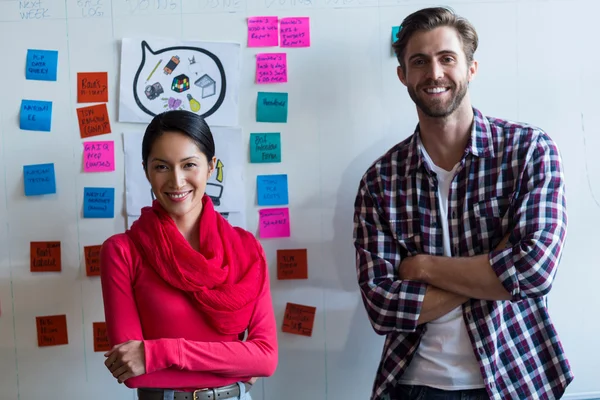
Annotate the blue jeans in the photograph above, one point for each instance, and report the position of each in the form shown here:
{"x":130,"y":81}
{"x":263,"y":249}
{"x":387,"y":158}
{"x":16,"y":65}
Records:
{"x":413,"y":392}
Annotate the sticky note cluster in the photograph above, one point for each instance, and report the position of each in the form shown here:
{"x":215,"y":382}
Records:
{"x":270,"y":32}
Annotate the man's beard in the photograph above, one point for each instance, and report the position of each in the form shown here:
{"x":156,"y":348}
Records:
{"x":437,"y":108}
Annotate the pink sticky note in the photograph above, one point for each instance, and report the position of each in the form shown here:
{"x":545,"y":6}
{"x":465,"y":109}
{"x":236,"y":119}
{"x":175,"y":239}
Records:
{"x":274,"y":222}
{"x":99,"y":156}
{"x":271,"y":68}
{"x":295,"y":32}
{"x":262,"y":32}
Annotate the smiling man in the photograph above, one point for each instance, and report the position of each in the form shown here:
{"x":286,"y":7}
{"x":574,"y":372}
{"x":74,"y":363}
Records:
{"x":458,"y":232}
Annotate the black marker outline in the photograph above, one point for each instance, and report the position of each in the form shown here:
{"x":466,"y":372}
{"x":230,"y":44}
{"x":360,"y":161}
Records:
{"x":145,"y":46}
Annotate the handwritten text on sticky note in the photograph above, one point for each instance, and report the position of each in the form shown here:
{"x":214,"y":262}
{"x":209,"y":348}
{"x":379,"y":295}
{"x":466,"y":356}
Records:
{"x":44,"y":256}
{"x":272,"y":190}
{"x":36,"y":115}
{"x":271,"y":68}
{"x":98,"y":202}
{"x":292,"y":264}
{"x":92,"y":260}
{"x":271,"y":107}
{"x":295,"y":32}
{"x":41,"y":65}
{"x":100,"y":337}
{"x":262,"y":32}
{"x":52,"y":330}
{"x":39,"y":179}
{"x":93,"y":120}
{"x":299,"y":319}
{"x":92,"y":87}
{"x":265,"y":147}
{"x":274,"y":223}
{"x":99,"y":156}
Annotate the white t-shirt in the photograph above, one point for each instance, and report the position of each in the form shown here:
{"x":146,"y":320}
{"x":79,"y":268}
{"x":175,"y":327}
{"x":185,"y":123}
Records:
{"x":445,"y":358}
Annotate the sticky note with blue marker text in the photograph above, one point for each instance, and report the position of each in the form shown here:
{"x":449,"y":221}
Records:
{"x":41,"y":65}
{"x":265,"y":147}
{"x":272,"y":107}
{"x":36,"y":115}
{"x":39,"y":179}
{"x":272,"y":190}
{"x":98,"y":202}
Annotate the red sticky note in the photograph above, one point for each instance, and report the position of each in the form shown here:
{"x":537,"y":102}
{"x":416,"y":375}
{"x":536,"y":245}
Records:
{"x":274,"y":222}
{"x":292,"y":264}
{"x":298,"y":319}
{"x":100,"y":337}
{"x":295,"y":32}
{"x":271,"y":68}
{"x":45,"y":256}
{"x":52,"y":330}
{"x":92,"y":260}
{"x":93,"y":120}
{"x":99,"y":156}
{"x":92,"y":87}
{"x":262,"y":31}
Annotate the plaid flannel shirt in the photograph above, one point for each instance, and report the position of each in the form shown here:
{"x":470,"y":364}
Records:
{"x":510,"y":180}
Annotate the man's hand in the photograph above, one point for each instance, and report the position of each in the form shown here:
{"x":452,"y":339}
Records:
{"x":414,"y":268}
{"x":126,"y":360}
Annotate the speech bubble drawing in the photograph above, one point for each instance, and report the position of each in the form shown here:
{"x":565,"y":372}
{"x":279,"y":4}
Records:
{"x":179,"y":77}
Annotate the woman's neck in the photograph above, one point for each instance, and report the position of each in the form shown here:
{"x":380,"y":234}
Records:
{"x":189,"y":227}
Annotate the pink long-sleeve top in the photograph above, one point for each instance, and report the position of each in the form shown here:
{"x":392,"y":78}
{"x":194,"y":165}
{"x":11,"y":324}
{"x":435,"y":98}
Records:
{"x":182,"y":350}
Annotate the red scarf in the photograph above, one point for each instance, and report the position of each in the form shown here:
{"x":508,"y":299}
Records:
{"x":224,"y":278}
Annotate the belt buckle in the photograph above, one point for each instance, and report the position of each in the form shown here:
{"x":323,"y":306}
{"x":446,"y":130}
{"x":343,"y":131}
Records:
{"x":195,"y":396}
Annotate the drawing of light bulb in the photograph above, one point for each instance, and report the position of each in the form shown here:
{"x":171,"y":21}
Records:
{"x":194,"y":104}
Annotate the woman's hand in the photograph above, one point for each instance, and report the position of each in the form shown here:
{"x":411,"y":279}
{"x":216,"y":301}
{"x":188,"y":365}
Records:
{"x":126,"y":360}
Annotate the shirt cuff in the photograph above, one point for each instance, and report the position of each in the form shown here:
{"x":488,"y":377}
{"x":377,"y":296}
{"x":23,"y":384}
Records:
{"x":504,"y":267}
{"x":161,"y":354}
{"x":412,"y":294}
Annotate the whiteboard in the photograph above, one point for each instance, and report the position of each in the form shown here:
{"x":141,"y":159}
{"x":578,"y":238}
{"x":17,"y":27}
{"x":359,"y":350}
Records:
{"x":538,"y":63}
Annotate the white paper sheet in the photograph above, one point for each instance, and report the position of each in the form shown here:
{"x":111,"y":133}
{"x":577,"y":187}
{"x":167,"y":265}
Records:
{"x":226,"y":185}
{"x":159,"y":75}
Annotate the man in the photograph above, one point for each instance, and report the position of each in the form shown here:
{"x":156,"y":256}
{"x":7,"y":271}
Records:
{"x":458,"y":232}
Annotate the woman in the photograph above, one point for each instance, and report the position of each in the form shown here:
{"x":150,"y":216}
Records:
{"x":182,"y":285}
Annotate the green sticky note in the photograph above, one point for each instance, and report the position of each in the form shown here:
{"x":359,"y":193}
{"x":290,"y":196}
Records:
{"x":271,"y":107}
{"x":265,"y":147}
{"x":395,"y":30}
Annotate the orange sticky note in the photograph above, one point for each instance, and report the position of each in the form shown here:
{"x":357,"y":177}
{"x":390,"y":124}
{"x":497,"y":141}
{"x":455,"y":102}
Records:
{"x":92,"y":87}
{"x":100,"y":337}
{"x":292,"y":264}
{"x":45,"y":257}
{"x":93,"y":120}
{"x":52,"y":330}
{"x":298,"y":319}
{"x":92,"y":260}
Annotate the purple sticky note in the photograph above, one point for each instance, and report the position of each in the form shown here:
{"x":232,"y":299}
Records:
{"x":274,"y":223}
{"x":271,"y":68}
{"x":99,"y":156}
{"x":262,"y":31}
{"x":295,"y":32}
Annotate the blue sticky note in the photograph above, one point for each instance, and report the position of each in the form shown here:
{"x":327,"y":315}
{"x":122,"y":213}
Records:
{"x":265,"y":147}
{"x":98,"y":202}
{"x":395,"y":30}
{"x":272,"y":190}
{"x":36,"y":115}
{"x":39,"y":179}
{"x":41,"y":65}
{"x":271,"y":107}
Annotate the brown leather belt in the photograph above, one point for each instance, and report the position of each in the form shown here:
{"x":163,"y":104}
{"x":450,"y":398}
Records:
{"x":219,"y":393}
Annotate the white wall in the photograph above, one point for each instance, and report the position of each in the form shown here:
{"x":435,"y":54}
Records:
{"x":538,"y":64}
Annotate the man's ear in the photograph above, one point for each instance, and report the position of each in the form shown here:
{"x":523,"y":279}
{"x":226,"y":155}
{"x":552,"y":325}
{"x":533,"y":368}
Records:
{"x":401,"y":74}
{"x":473,"y":70}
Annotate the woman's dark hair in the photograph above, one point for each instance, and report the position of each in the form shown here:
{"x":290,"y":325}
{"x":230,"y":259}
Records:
{"x":185,"y":122}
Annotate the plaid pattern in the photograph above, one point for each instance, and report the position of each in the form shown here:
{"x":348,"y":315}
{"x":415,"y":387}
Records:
{"x":509,"y":180}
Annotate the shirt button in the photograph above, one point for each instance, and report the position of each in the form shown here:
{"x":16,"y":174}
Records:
{"x":491,"y":384}
{"x":453,"y":214}
{"x":434,"y":225}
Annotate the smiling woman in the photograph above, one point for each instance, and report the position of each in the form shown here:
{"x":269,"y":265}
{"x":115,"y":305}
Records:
{"x":182,"y":286}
